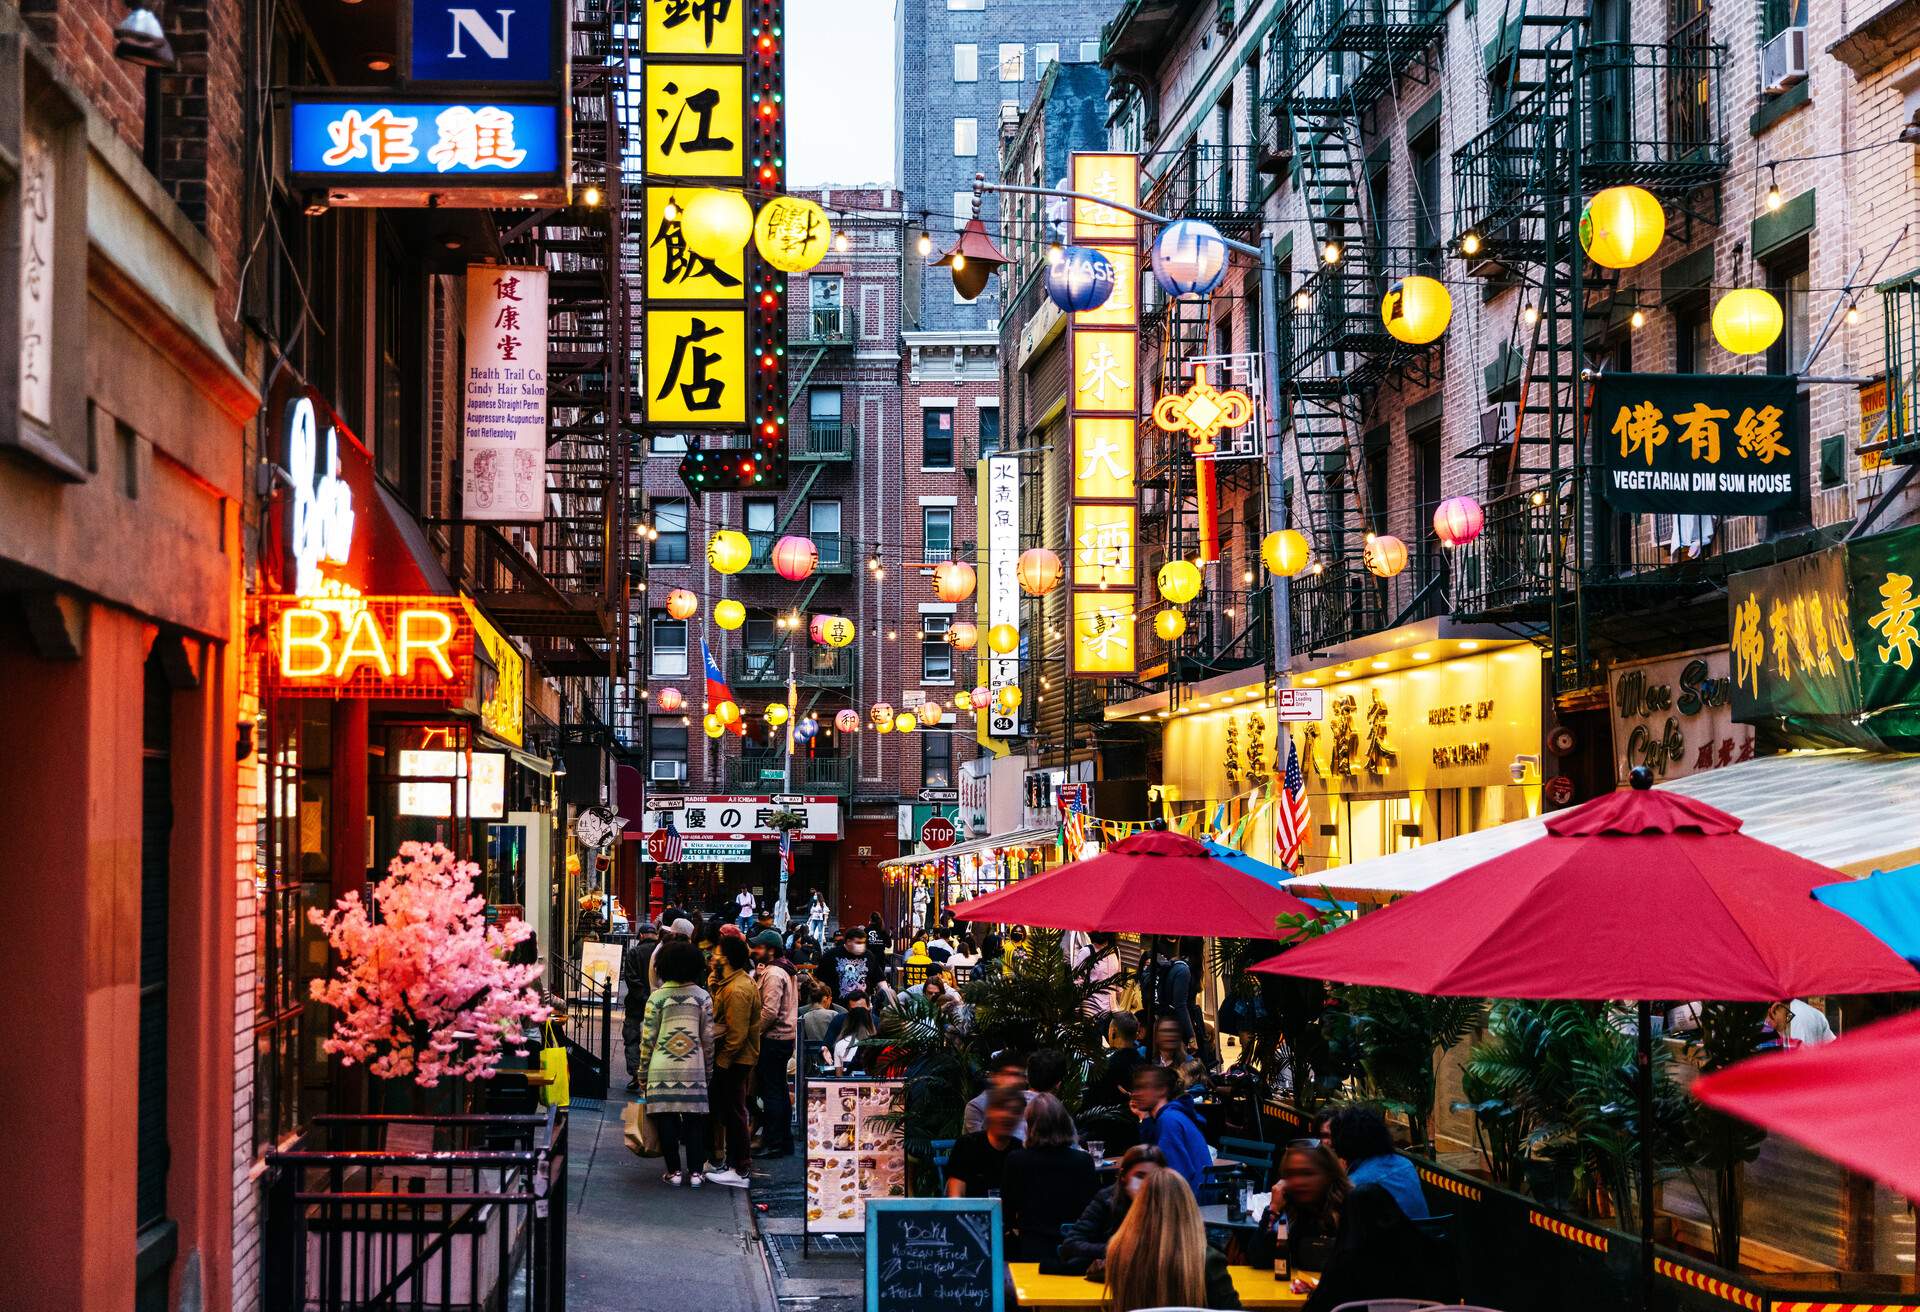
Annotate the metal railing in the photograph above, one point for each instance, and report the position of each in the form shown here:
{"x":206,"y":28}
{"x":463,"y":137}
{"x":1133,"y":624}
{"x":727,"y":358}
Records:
{"x":1900,"y":320}
{"x":832,"y":549}
{"x":1216,"y":183}
{"x":470,"y":1214}
{"x":820,"y":440}
{"x":813,"y":666}
{"x":759,"y":772}
{"x":588,"y":1025}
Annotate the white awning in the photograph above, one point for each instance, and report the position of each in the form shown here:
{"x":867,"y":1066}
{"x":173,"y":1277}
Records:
{"x":1849,"y":810}
{"x":1018,"y":838}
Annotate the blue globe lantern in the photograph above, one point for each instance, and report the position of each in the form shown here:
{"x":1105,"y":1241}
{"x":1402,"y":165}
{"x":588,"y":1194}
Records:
{"x":1079,"y":278}
{"x":1189,"y":258}
{"x":806,"y":729}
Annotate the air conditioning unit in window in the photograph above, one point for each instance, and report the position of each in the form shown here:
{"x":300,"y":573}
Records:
{"x":668,"y":772}
{"x":1783,"y":60}
{"x":1497,"y":423}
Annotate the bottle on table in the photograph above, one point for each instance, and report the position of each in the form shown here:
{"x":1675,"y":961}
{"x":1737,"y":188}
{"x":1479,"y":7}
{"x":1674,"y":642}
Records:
{"x":1280,"y":1270}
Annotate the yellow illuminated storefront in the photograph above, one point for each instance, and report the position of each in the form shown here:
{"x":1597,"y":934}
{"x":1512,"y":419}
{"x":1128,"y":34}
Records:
{"x":1420,"y":739}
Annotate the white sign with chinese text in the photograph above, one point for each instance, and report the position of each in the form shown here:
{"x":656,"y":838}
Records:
{"x":1003,"y":583}
{"x":742,"y":817}
{"x":505,"y":437}
{"x":36,"y":275}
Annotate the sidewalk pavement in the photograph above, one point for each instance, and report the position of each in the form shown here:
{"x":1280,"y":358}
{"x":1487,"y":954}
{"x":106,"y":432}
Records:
{"x":826,"y":1275}
{"x":636,"y":1245}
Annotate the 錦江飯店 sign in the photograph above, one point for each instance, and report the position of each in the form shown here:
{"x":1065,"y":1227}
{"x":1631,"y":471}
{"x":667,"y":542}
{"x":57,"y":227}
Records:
{"x":1697,"y":444}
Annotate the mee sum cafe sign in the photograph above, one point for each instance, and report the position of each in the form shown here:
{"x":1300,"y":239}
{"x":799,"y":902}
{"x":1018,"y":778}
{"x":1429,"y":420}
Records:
{"x":1675,"y":716}
{"x":1697,"y":444}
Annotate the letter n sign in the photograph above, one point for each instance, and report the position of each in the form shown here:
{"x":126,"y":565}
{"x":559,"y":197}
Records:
{"x":478,"y":41}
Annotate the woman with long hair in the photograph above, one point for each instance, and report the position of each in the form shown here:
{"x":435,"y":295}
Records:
{"x":846,"y":1055}
{"x":1085,"y":1243}
{"x":1048,"y":1183}
{"x":676,"y":1058}
{"x":1159,"y":1256}
{"x":1311,"y":1195}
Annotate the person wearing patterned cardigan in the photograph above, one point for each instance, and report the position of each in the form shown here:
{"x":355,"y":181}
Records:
{"x":676,"y":1054}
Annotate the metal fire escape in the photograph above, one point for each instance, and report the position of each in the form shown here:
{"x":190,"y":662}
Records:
{"x":562,"y":585}
{"x":1576,"y":110}
{"x":1331,"y":63}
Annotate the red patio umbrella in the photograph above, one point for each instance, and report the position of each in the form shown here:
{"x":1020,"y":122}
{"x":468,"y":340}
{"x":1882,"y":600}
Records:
{"x":1156,"y":882}
{"x":1636,"y":895}
{"x":1851,"y":1100}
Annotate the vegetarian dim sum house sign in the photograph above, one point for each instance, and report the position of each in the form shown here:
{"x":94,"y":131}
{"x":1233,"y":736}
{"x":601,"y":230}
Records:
{"x":1697,"y":444}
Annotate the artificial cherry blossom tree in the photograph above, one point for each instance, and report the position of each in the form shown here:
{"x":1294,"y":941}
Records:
{"x":424,"y":986}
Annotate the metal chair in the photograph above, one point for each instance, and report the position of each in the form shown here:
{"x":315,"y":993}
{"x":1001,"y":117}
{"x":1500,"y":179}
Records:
{"x":942,"y":1150}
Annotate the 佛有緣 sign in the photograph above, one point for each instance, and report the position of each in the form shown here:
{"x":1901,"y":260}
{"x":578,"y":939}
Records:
{"x":1698,"y":444}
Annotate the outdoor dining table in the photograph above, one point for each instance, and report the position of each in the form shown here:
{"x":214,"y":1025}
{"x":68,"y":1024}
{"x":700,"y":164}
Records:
{"x":1257,"y":1289}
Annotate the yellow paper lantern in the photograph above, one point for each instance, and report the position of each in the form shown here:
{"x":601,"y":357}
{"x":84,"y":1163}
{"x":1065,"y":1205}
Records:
{"x":729,"y":552}
{"x":792,"y":234}
{"x":905,"y":722}
{"x":716,"y":224}
{"x":777,"y":714}
{"x":1038,"y":571}
{"x":1416,"y":309}
{"x":1622,"y":227}
{"x":729,"y":712}
{"x":1004,"y":638}
{"x":682,"y":604}
{"x":1008,"y":698}
{"x":883,"y":726}
{"x":1285,"y":551}
{"x":1169,"y":624}
{"x":729,"y":614}
{"x":1747,"y":321}
{"x":1179,"y":581}
{"x":714,"y":725}
{"x":1385,"y":556}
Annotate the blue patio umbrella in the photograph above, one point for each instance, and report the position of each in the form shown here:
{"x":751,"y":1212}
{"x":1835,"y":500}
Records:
{"x":1886,"y":904}
{"x":1266,"y":874}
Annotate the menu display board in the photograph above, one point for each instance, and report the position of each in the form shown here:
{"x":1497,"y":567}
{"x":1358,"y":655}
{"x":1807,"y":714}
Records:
{"x":935,"y":1255}
{"x":856,"y":1151}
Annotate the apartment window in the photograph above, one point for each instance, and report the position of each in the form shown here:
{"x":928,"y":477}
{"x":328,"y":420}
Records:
{"x":1788,"y":281}
{"x":667,"y":444}
{"x":936,"y":760}
{"x":936,"y":654}
{"x":826,"y":302}
{"x":1045,"y":53}
{"x":1776,"y":16}
{"x":936,"y":438}
{"x":962,"y":208}
{"x":760,"y":514}
{"x":823,"y":526}
{"x":989,"y":430}
{"x":966,"y":137}
{"x":1013,"y":62}
{"x":936,"y":532}
{"x":1425,"y":449}
{"x":966,"y":63}
{"x":967,"y":4}
{"x":669,"y":646}
{"x":667,"y":740}
{"x":761,"y":632}
{"x":670,"y":519}
{"x":1692,"y":334}
{"x":1427,"y":200}
{"x":1089,"y":52}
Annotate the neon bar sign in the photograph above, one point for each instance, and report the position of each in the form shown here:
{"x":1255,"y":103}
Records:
{"x":409,"y":647}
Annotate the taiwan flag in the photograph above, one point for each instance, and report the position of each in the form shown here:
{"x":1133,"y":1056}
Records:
{"x":717,"y":690}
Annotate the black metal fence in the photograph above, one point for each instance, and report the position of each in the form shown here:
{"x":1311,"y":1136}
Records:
{"x":431,"y":1213}
{"x":587,"y":1022}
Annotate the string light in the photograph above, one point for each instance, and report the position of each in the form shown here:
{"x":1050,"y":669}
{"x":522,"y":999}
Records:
{"x":1853,"y":313}
{"x":590,"y":197}
{"x":1639,"y":319}
{"x":1774,"y":199}
{"x":925,"y":244}
{"x":841,"y":241}
{"x":1301,"y":301}
{"x":672,"y":212}
{"x":1531,"y":314}
{"x":1331,"y":252}
{"x":1470,"y":244}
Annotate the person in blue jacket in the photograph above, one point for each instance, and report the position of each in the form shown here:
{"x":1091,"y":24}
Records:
{"x":1169,"y":1125}
{"x":1361,"y":1140}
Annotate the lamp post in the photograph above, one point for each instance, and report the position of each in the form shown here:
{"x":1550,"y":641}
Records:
{"x":1281,"y":597}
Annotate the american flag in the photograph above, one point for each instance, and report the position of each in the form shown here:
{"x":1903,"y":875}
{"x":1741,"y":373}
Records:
{"x":1292,"y":816}
{"x":670,"y":841}
{"x":786,"y":854}
{"x":1073,"y":823}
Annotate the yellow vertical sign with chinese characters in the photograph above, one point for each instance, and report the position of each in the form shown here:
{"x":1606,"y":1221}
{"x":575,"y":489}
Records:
{"x":1104,"y":403}
{"x":674,"y":271}
{"x":696,"y":27}
{"x":696,"y":367}
{"x":695,"y":120}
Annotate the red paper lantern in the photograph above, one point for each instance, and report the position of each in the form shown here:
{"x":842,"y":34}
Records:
{"x":1458,"y":521}
{"x":682,"y":605}
{"x":847,"y":720}
{"x":794,"y":557}
{"x":953,"y":580}
{"x":670,"y":699}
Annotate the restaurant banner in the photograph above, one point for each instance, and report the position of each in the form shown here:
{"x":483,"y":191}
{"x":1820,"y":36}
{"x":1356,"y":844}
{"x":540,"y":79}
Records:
{"x":1697,"y":444}
{"x":1674,"y":715}
{"x":1885,"y":599}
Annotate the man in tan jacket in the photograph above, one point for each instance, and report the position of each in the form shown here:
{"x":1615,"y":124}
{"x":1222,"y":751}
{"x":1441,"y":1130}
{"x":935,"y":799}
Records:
{"x":736,"y":1047}
{"x":779,"y":1024}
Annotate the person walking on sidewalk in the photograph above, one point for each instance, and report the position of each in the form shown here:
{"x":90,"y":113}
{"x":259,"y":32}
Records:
{"x":736,"y":1047}
{"x":675,"y":1056}
{"x":779,"y":1024}
{"x":817,"y":917}
{"x":635,"y":973}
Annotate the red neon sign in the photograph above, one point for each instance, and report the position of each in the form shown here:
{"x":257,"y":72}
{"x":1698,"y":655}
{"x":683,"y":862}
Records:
{"x":411,"y":647}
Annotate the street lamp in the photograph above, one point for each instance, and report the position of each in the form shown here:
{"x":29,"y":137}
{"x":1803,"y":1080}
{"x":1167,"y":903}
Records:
{"x":969,"y":280}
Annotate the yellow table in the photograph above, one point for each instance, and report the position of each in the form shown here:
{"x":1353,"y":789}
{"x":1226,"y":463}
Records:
{"x":1257,"y":1289}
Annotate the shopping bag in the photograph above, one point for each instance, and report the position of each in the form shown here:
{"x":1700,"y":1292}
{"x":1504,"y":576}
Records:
{"x":556,"y":1091}
{"x":642,"y":1136}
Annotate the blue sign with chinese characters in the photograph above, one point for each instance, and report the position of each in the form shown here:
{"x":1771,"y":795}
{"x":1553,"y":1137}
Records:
{"x":475,"y":41}
{"x":370,"y":140}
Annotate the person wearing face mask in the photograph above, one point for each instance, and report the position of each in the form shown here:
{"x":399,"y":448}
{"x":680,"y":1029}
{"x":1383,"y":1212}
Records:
{"x":1085,"y":1244}
{"x":854,"y":964}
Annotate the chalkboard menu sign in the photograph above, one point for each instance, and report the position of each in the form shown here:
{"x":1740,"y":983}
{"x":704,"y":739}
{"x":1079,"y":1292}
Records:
{"x":934,"y":1255}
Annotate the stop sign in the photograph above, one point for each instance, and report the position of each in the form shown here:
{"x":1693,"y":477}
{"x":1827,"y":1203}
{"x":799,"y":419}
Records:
{"x":937,"y":832}
{"x":657,"y":845}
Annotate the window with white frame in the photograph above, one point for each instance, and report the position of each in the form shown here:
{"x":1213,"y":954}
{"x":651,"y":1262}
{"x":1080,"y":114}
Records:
{"x":667,"y":740}
{"x":936,"y":653}
{"x":967,"y":4}
{"x":1089,"y":52}
{"x":962,"y":208}
{"x":669,"y":646}
{"x":1013,"y":62}
{"x":1045,"y":53}
{"x":966,"y":62}
{"x":966,"y":137}
{"x":936,"y":760}
{"x":670,"y":521}
{"x":823,"y":526}
{"x":936,"y":532}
